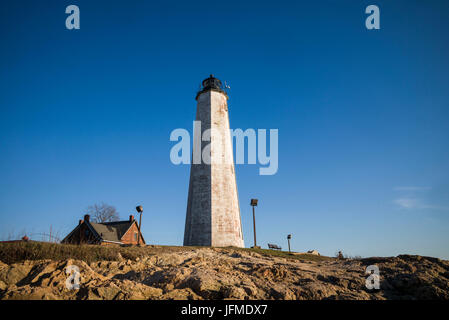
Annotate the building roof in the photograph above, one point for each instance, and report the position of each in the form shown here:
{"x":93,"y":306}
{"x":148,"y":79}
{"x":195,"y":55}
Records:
{"x":111,"y":231}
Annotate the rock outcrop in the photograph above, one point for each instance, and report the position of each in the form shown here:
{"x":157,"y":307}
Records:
{"x":212,"y":273}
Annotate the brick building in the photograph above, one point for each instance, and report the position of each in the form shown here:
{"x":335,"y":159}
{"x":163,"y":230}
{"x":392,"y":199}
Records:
{"x":118,"y":232}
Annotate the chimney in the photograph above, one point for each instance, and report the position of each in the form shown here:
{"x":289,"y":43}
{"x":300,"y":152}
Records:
{"x":131,"y":218}
{"x":86,"y":217}
{"x":80,"y":222}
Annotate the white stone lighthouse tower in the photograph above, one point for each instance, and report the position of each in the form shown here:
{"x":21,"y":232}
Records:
{"x":213,"y":211}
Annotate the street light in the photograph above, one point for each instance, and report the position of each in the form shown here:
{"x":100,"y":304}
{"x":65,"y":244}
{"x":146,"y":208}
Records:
{"x":254,"y":204}
{"x":139,"y":209}
{"x":288,"y":238}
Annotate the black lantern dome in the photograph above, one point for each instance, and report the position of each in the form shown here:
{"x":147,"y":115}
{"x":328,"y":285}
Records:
{"x":211,"y":83}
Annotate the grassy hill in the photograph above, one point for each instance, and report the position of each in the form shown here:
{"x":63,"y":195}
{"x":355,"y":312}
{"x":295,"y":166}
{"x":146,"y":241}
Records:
{"x":31,"y":250}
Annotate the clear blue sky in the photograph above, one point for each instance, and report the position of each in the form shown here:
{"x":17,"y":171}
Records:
{"x":363,"y":116}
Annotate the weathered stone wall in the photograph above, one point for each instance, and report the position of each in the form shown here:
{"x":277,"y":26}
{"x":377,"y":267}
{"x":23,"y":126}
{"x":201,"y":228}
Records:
{"x":198,"y":219}
{"x":226,"y":223}
{"x":213,"y":213}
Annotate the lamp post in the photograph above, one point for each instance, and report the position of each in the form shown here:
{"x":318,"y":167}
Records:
{"x":139,"y":209}
{"x":254,"y":204}
{"x":288,"y":238}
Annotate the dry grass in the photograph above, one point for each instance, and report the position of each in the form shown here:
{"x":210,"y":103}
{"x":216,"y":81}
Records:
{"x":287,"y":255}
{"x":20,"y":251}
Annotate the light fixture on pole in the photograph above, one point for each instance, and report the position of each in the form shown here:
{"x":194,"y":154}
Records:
{"x":288,"y":238}
{"x":254,"y":204}
{"x":139,"y":209}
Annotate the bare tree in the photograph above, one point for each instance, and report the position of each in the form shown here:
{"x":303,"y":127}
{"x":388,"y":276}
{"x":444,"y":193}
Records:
{"x":102,"y":213}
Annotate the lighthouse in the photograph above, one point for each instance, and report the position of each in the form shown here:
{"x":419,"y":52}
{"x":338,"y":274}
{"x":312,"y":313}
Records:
{"x":213,"y":211}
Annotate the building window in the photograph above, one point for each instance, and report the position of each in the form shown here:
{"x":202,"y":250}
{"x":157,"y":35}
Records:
{"x":135,"y":236}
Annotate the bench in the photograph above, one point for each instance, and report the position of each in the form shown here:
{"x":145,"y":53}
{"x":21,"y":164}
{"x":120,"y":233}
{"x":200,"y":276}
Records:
{"x":274,"y":246}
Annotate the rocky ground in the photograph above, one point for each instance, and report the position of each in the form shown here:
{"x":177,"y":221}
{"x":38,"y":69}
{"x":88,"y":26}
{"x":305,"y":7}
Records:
{"x":211,"y":273}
